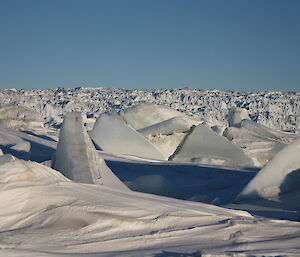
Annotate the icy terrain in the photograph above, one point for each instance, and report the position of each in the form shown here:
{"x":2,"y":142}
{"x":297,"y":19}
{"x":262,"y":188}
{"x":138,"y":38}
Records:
{"x":278,"y":110}
{"x":165,"y":180}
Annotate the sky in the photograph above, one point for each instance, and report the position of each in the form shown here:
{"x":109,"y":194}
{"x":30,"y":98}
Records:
{"x":242,"y":45}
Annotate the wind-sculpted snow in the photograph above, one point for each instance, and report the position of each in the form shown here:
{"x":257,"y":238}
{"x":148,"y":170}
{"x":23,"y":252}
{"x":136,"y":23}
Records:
{"x":280,"y":175}
{"x":114,"y":136}
{"x":277,"y":110}
{"x":45,"y":214}
{"x":76,"y":157}
{"x":205,"y":146}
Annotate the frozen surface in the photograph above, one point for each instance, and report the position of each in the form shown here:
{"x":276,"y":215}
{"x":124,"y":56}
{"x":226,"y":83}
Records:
{"x":174,"y":125}
{"x":114,"y":136}
{"x":236,"y":115}
{"x":205,"y":146}
{"x":145,"y":115}
{"x":41,"y":149}
{"x":45,"y":214}
{"x":277,"y":110}
{"x":167,"y":144}
{"x":280,"y":175}
{"x":76,"y":157}
{"x":20,"y":117}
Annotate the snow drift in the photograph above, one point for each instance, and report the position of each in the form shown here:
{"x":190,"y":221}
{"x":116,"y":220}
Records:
{"x":280,"y":175}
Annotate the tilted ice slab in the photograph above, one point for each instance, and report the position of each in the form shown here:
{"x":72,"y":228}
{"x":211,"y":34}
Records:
{"x":145,"y":115}
{"x":76,"y":156}
{"x":258,"y":129}
{"x":114,"y":136}
{"x":205,"y":146}
{"x":174,"y":125}
{"x":260,"y":149}
{"x":281,"y":174}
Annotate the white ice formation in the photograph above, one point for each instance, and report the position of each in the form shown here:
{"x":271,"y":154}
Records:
{"x":76,"y":157}
{"x":236,"y":115}
{"x":205,"y":146}
{"x":277,"y":110}
{"x":280,"y":175}
{"x":114,"y":136}
{"x":174,"y":125}
{"x":20,"y":118}
{"x":145,"y":115}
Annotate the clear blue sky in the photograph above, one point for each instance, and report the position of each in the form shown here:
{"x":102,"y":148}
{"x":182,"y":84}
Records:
{"x":246,"y":45}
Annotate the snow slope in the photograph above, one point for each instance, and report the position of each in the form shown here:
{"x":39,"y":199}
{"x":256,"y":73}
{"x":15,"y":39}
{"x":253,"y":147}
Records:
{"x":45,"y":214}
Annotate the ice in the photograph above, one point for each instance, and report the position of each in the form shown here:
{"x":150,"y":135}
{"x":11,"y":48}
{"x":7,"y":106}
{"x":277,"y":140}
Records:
{"x":145,"y":115}
{"x":280,"y":175}
{"x":236,"y":115}
{"x":174,"y":125}
{"x":20,"y":118}
{"x":258,"y":129}
{"x":205,"y":146}
{"x":277,"y":110}
{"x":76,"y":157}
{"x":260,"y":149}
{"x":114,"y":136}
{"x":167,"y":144}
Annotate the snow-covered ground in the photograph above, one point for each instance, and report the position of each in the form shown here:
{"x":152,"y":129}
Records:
{"x":220,"y":186}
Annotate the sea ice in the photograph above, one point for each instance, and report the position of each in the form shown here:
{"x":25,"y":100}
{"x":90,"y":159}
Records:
{"x":174,"y":125}
{"x":144,"y":115}
{"x":280,"y":175}
{"x":76,"y":156}
{"x":20,"y":118}
{"x":205,"y":146}
{"x":236,"y":115}
{"x":114,"y":136}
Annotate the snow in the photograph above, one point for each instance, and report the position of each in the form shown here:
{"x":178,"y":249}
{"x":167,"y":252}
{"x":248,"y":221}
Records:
{"x":45,"y":214}
{"x":280,"y":175}
{"x":114,"y":136}
{"x":205,"y":146}
{"x":76,"y":156}
{"x":213,"y":206}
